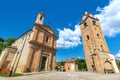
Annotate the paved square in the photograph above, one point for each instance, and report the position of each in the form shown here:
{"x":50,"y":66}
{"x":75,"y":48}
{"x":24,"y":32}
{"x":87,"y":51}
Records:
{"x":66,"y":76}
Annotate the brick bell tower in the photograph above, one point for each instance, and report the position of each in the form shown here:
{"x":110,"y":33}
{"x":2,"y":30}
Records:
{"x":98,"y":57}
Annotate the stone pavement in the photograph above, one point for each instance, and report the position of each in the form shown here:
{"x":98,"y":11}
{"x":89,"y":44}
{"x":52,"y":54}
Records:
{"x":65,"y":76}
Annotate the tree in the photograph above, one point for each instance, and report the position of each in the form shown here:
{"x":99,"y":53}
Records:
{"x":1,"y":40}
{"x":81,"y":64}
{"x":9,"y":41}
{"x":62,"y":63}
{"x":2,"y":45}
{"x":5,"y":43}
{"x":118,"y":63}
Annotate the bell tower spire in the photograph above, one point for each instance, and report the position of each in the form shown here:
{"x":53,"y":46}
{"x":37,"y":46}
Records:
{"x":40,"y":18}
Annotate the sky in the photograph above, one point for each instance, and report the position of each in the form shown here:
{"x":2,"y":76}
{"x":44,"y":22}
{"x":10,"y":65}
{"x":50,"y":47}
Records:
{"x":64,"y":16}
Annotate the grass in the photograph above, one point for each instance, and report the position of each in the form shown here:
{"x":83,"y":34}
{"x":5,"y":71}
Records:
{"x":13,"y":75}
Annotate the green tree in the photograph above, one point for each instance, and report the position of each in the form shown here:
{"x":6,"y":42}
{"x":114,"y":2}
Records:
{"x":118,"y":63}
{"x":1,"y":40}
{"x":81,"y":64}
{"x":5,"y":43}
{"x":9,"y":41}
{"x":62,"y":63}
{"x":2,"y":45}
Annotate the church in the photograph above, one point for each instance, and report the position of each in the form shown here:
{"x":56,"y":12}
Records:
{"x":34,"y":51}
{"x":71,"y":65}
{"x":98,"y":57}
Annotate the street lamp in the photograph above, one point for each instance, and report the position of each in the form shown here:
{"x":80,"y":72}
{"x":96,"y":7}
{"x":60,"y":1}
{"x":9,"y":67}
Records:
{"x":93,"y":66}
{"x":11,"y":69}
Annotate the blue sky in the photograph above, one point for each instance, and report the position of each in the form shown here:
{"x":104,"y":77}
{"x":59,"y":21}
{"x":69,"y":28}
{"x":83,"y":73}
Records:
{"x":16,"y":17}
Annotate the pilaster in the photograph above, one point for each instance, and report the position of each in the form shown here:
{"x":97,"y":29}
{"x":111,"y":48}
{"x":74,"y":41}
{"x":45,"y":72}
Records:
{"x":29,"y":58}
{"x":54,"y":61}
{"x":50,"y":63}
{"x":36,"y":61}
{"x":34,"y":34}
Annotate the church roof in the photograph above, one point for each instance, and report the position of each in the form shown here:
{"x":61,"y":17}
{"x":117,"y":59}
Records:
{"x":70,"y":61}
{"x":48,"y":27}
{"x":14,"y":47}
{"x":86,"y":16}
{"x":24,"y":33}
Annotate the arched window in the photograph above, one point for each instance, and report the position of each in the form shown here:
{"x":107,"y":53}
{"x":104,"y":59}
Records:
{"x":46,"y":39}
{"x":85,"y":24}
{"x":88,"y":37}
{"x":101,"y":47}
{"x":98,"y":36}
{"x":94,"y":23}
{"x":40,"y":17}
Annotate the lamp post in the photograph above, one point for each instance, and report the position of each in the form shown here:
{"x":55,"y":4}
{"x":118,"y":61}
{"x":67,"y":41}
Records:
{"x":11,"y":69}
{"x":93,"y":66}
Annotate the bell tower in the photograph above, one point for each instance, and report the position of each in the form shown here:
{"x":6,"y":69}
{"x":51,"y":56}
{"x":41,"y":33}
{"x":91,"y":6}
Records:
{"x":96,"y":50}
{"x":40,"y":18}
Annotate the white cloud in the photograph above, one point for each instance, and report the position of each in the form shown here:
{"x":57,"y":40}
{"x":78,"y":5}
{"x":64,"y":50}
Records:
{"x":69,"y":38}
{"x":117,"y":56}
{"x":109,"y":17}
{"x":99,"y":9}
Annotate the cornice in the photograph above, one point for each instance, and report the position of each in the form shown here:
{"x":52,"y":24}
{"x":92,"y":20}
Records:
{"x":87,"y":18}
{"x":41,"y":27}
{"x":42,"y":45}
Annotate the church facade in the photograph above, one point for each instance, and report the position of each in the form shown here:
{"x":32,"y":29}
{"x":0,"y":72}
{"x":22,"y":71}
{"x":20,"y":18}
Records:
{"x":71,"y":65}
{"x":98,"y":57}
{"x":34,"y":51}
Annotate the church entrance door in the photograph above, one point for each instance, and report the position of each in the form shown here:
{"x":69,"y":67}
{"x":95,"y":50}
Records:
{"x":43,"y":65}
{"x":108,"y":67}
